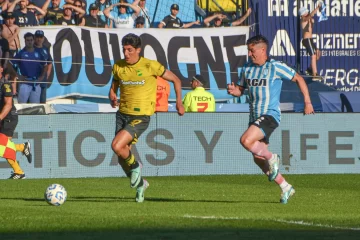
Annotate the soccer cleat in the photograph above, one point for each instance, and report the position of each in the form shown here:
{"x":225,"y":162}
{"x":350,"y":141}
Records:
{"x":17,"y":176}
{"x":135,"y":176}
{"x":140,"y":191}
{"x":27,"y":151}
{"x":274,"y":167}
{"x":286,"y":195}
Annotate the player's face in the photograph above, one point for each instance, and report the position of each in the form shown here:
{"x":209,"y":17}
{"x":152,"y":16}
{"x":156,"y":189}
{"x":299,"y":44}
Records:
{"x":256,"y":53}
{"x":131,"y":54}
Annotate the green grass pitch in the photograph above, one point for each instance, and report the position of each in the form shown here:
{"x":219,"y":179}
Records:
{"x":188,"y":207}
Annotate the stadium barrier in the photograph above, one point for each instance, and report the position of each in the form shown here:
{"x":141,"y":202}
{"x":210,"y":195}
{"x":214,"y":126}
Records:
{"x":79,"y":145}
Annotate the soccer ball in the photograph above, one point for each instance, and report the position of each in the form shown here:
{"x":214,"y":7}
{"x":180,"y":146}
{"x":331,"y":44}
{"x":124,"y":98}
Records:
{"x":55,"y":195}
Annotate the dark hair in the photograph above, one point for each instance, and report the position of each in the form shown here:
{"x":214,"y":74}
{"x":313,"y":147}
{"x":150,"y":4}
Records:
{"x":1,"y":27}
{"x":131,"y":39}
{"x":28,"y":34}
{"x":257,"y":39}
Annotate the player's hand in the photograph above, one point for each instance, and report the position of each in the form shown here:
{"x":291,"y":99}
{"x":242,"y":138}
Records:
{"x":308,"y":109}
{"x":113,"y":101}
{"x":197,"y":22}
{"x":180,"y":109}
{"x":233,"y":90}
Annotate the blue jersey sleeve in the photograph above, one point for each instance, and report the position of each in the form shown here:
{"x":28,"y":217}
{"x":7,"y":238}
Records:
{"x":283,"y":71}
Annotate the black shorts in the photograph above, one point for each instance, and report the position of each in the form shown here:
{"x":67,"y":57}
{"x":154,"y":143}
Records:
{"x":135,"y":125}
{"x":8,"y":125}
{"x":267,"y":124}
{"x":309,"y":45}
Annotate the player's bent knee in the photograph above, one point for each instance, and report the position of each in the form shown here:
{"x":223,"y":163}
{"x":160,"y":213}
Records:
{"x":246,"y":142}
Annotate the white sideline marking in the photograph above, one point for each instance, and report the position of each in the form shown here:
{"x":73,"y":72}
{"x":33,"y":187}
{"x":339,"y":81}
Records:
{"x":275,"y":220}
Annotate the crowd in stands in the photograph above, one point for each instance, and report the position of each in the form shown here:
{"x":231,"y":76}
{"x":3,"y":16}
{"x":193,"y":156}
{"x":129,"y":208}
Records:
{"x":101,"y":13}
{"x":20,"y":62}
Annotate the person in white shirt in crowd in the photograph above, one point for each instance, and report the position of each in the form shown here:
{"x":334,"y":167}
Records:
{"x":144,"y":12}
{"x":123,"y":18}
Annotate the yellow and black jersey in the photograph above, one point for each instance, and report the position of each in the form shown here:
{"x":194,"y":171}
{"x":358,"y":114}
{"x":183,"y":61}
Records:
{"x":6,"y":91}
{"x":137,"y":85}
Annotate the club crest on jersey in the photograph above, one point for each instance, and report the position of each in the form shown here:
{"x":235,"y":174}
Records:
{"x":255,"y":82}
{"x":265,"y":72}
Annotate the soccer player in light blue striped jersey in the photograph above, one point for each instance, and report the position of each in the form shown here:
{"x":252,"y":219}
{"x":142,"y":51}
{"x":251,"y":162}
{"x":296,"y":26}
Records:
{"x":263,"y":78}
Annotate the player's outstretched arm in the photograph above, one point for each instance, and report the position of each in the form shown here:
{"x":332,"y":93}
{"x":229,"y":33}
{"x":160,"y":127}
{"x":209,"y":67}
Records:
{"x":113,"y":93}
{"x":235,"y":90}
{"x":170,"y":76}
{"x":308,"y":107}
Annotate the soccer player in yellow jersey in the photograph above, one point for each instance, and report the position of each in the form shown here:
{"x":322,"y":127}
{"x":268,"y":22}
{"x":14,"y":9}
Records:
{"x":136,"y":77}
{"x":199,"y":100}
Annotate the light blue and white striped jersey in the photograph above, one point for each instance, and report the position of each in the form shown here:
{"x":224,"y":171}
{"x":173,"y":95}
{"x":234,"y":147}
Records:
{"x":264,"y":85}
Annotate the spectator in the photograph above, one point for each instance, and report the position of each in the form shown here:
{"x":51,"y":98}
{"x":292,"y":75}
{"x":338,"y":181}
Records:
{"x":35,"y":9}
{"x":102,"y":5}
{"x":172,"y":21}
{"x":307,"y":24}
{"x":140,"y":22}
{"x":93,"y":19}
{"x":8,"y":122}
{"x":162,"y":95}
{"x":199,"y":100}
{"x":4,"y":49}
{"x":122,"y":18}
{"x":218,"y":18}
{"x":72,"y":2}
{"x":79,"y":11}
{"x":69,"y":18}
{"x":23,"y":17}
{"x":39,"y":46}
{"x":144,"y":12}
{"x":3,"y":8}
{"x":54,"y":13}
{"x":32,"y":69}
{"x":11,"y":33}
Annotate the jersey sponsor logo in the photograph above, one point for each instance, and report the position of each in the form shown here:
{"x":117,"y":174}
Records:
{"x":142,"y":82}
{"x":265,"y":72}
{"x":256,"y":82}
